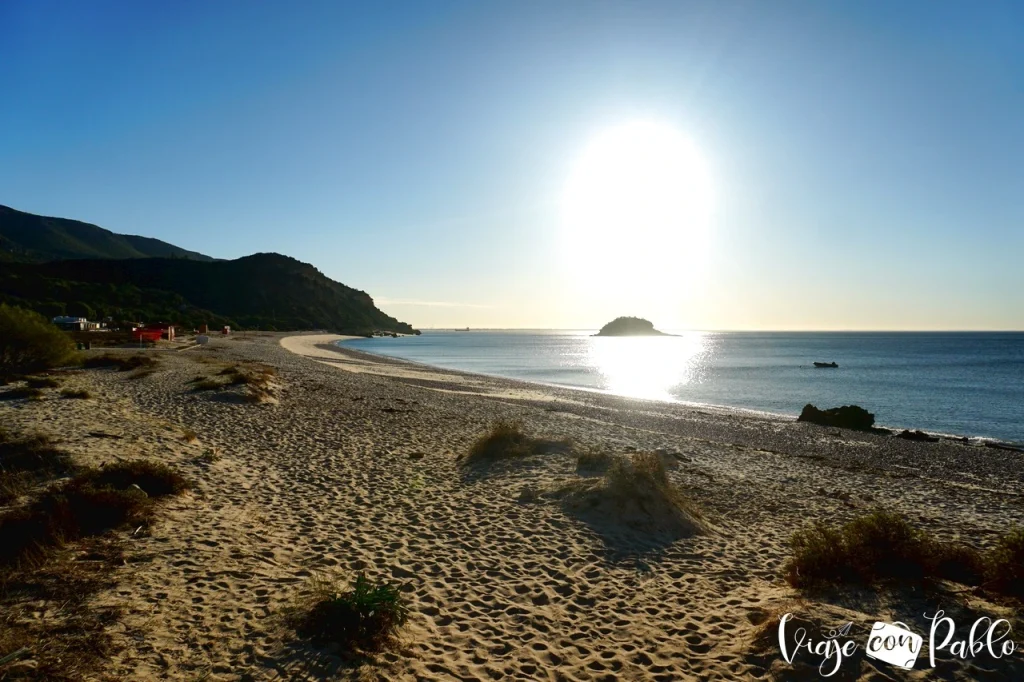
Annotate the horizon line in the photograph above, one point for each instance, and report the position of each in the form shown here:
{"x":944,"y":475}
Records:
{"x":752,"y":331}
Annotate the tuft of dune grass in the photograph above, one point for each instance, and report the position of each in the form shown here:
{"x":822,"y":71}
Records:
{"x":635,"y":490}
{"x":507,"y":440}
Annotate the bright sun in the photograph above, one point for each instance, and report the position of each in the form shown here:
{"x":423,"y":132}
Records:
{"x":637,"y":208}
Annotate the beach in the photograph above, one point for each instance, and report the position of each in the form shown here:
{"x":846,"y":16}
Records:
{"x":351,"y":464}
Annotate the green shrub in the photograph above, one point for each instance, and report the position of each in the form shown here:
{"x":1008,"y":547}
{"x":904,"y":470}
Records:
{"x":364,"y":618}
{"x":30,"y":343}
{"x":881,"y":547}
{"x":957,"y":562}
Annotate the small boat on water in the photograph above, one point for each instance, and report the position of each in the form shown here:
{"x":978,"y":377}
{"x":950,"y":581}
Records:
{"x":825,"y":364}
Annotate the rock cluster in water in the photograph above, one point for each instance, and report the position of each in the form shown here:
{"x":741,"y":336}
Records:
{"x":629,"y":326}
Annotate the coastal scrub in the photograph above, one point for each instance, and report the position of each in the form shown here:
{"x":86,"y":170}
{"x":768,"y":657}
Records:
{"x":883,"y":548}
{"x":364,"y":618}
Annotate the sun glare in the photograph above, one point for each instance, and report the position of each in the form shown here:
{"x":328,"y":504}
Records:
{"x":636,"y":209}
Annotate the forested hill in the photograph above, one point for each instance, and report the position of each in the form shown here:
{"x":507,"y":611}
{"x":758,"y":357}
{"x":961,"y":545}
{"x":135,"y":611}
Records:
{"x":265,"y":290}
{"x":26,"y":237}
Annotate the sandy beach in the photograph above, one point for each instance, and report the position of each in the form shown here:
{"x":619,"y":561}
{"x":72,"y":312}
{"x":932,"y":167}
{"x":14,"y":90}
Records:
{"x":351,"y":464}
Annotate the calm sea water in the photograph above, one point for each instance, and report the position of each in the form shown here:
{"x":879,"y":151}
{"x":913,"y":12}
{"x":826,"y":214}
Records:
{"x":958,"y":383}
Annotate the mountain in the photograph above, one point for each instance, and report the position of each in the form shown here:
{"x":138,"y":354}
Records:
{"x":26,"y":237}
{"x":265,"y":290}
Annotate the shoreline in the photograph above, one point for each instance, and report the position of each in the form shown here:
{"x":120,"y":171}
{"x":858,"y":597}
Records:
{"x":710,"y":407}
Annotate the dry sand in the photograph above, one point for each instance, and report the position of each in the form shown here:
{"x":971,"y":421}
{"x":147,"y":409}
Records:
{"x":355,"y":469}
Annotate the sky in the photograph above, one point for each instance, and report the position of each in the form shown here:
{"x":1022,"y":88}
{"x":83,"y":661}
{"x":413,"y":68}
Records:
{"x":862,"y":164}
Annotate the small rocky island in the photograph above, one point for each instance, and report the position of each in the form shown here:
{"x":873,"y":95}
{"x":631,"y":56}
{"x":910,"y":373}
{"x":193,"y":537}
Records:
{"x":630,"y":326}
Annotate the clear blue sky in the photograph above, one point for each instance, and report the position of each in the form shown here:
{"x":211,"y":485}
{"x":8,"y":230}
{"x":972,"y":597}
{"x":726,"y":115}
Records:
{"x":867,"y":157}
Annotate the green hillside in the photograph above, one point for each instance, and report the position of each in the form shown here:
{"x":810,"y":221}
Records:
{"x":265,"y":290}
{"x":26,"y":237}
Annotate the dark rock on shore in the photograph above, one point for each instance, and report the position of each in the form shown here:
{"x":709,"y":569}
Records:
{"x":920,"y":436}
{"x":845,"y":417}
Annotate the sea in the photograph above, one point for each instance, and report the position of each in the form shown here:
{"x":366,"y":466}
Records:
{"x":957,"y":383}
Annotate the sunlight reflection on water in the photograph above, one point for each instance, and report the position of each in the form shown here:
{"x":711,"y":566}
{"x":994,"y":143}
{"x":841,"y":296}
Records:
{"x":648,"y":366}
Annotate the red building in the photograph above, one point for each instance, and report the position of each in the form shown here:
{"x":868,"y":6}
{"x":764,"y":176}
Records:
{"x":154,"y":332}
{"x":144,"y":334}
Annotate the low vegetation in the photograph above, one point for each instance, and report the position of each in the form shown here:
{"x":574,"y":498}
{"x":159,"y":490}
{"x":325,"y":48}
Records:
{"x":882,"y":548}
{"x":506,"y":440}
{"x":22,"y":393}
{"x":122,"y":363}
{"x":90,"y":503}
{"x":255,"y":379}
{"x":207,"y":385}
{"x":1005,"y":564}
{"x":27,"y":461}
{"x":29,"y":343}
{"x":55,"y":557}
{"x":593,"y":461}
{"x":362,"y":619}
{"x":80,"y":394}
{"x":156,"y":479}
{"x":70,"y":643}
{"x":41,"y":382}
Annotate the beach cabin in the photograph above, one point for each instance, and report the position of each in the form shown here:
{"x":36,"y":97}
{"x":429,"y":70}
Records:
{"x":70,"y":324}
